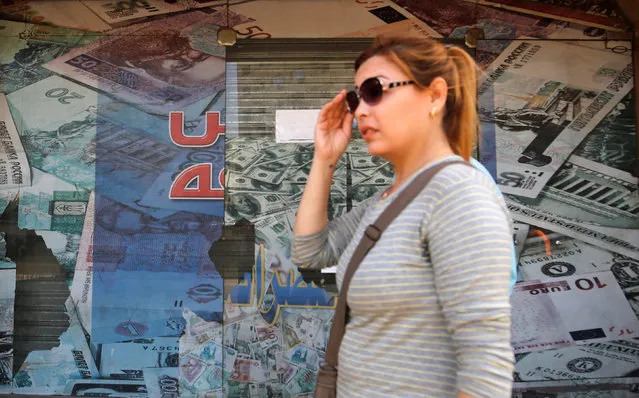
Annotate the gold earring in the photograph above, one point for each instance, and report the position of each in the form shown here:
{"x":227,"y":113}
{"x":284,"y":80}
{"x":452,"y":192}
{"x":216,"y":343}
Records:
{"x":432,"y":112}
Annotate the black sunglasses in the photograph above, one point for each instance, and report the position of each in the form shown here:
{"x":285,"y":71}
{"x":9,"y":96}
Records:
{"x":371,"y":92}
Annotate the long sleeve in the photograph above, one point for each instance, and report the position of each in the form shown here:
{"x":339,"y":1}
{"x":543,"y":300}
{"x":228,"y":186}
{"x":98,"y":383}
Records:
{"x":470,"y":246}
{"x":324,"y":248}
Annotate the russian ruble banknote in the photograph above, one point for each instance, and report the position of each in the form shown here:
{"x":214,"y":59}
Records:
{"x":159,"y":66}
{"x":14,"y":166}
{"x":619,"y":358}
{"x":47,"y":372}
{"x":106,"y":387}
{"x":129,"y":360}
{"x":60,"y":139}
{"x":52,"y":204}
{"x":64,"y":246}
{"x":6,"y":197}
{"x":25,"y":47}
{"x":539,"y":113}
{"x":7,"y":301}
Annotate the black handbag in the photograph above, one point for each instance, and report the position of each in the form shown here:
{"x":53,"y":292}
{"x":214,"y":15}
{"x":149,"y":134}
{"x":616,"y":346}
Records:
{"x":326,"y":385}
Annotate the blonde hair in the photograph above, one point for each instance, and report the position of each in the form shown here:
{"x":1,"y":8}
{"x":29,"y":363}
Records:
{"x":422,"y":60}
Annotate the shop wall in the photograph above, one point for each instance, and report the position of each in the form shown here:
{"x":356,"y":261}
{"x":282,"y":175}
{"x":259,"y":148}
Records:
{"x":148,"y":202}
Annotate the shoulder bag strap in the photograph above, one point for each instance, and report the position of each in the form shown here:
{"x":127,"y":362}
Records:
{"x":371,"y":236}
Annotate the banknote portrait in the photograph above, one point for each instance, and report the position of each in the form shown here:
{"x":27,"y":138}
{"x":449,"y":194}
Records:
{"x":243,"y":205}
{"x":165,"y":55}
{"x":58,"y":141}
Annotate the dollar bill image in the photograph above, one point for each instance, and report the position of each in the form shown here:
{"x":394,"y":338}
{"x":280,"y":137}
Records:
{"x":625,"y":387}
{"x":593,"y":197}
{"x":618,"y":358}
{"x":570,"y":256}
{"x":540,"y":113}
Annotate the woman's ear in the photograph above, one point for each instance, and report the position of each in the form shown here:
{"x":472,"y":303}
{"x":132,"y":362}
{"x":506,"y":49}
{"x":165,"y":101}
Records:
{"x":438,"y":89}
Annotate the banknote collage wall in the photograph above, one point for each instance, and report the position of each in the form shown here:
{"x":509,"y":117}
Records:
{"x":143,"y":157}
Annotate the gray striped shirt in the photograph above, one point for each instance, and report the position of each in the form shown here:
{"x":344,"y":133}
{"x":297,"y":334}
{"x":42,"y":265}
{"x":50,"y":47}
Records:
{"x":430,"y":311}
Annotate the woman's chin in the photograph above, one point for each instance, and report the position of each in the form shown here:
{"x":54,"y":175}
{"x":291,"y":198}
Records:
{"x":375,"y":149}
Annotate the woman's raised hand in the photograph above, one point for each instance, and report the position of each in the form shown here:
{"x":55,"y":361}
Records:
{"x":334,"y":129}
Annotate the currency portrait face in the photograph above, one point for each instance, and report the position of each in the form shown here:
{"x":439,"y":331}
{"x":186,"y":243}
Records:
{"x":243,"y":205}
{"x":166,"y":55}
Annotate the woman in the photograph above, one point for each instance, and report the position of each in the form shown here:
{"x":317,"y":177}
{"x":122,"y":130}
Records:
{"x":429,"y":305}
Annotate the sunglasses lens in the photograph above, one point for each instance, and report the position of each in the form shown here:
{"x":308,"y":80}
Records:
{"x":371,"y":91}
{"x":352,"y":100}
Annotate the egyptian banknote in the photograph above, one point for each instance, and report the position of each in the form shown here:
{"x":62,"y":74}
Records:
{"x":25,"y":47}
{"x":539,"y":114}
{"x":159,"y":66}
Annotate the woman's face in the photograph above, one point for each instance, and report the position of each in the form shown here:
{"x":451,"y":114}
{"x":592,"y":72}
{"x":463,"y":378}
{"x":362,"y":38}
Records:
{"x":400,"y":119}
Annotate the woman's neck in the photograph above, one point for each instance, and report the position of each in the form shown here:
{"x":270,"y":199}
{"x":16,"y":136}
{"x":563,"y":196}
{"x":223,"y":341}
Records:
{"x":417,"y":158}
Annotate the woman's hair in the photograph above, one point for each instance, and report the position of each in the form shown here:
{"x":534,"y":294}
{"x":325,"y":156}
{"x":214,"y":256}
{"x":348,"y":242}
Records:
{"x":422,"y":60}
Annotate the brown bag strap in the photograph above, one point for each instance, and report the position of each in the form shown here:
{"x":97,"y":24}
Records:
{"x":371,"y":236}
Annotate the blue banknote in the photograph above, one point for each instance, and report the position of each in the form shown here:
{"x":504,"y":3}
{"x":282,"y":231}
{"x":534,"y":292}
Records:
{"x":47,"y":372}
{"x":60,"y":138}
{"x":146,"y":271}
{"x":128,"y":360}
{"x":162,"y":382}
